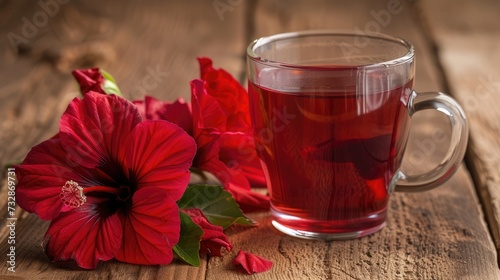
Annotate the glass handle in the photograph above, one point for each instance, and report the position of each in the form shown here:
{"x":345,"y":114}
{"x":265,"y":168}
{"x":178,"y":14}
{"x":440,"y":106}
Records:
{"x":459,"y":136}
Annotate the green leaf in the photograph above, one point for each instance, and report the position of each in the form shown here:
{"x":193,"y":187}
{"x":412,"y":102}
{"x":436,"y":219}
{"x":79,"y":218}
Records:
{"x":218,"y":205}
{"x":189,"y":243}
{"x":109,"y":85}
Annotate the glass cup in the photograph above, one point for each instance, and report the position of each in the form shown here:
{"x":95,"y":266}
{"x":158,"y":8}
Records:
{"x":331,"y":114}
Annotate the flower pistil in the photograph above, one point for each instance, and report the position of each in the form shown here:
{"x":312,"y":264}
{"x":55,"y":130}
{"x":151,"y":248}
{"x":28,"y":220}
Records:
{"x":73,"y":196}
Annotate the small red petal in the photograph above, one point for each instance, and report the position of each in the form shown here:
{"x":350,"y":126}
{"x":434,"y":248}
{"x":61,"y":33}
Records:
{"x":178,"y":112}
{"x":248,"y":200}
{"x":151,"y":229}
{"x":250,"y":263}
{"x":213,"y":239}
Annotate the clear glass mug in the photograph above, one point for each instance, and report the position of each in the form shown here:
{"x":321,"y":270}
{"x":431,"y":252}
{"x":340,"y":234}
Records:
{"x":331,"y":114}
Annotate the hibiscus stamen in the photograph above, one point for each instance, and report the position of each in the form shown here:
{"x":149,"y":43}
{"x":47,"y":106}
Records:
{"x":72,"y":194}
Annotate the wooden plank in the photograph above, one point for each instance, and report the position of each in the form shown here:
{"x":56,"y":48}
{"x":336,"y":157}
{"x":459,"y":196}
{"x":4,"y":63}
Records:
{"x":160,"y":62}
{"x":467,"y":36}
{"x":433,"y":235}
{"x":150,"y":47}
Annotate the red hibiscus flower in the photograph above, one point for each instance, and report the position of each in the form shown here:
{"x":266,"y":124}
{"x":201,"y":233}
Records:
{"x":109,"y":182}
{"x":219,"y":120}
{"x":89,"y":80}
{"x":213,"y":239}
{"x":223,"y":131}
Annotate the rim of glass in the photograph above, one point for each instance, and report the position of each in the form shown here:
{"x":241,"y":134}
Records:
{"x":309,"y":33}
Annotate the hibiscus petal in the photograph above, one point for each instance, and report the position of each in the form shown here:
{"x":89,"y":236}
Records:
{"x":207,"y":112}
{"x":249,"y":200}
{"x":92,"y":130}
{"x":213,"y":239}
{"x":89,"y":80}
{"x":84,"y":235}
{"x":228,"y":93}
{"x":178,"y":112}
{"x":254,"y":175}
{"x":151,"y":228}
{"x":141,"y":107}
{"x":41,"y":176}
{"x":238,"y":148}
{"x":235,"y":179}
{"x":207,"y":155}
{"x":159,"y":154}
{"x":205,"y":66}
{"x":250,"y":263}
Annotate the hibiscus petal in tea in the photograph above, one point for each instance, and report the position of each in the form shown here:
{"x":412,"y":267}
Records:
{"x":330,"y":165}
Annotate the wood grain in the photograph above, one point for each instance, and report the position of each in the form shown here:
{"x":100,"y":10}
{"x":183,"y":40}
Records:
{"x":422,"y":240}
{"x":432,"y":235}
{"x":151,"y":46}
{"x":468,"y":40}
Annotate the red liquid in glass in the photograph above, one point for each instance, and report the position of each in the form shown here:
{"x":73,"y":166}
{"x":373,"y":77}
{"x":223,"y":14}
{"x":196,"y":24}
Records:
{"x":329,"y":157}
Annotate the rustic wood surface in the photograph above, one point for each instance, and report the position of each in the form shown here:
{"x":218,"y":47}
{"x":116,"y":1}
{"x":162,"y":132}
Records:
{"x":468,"y":41}
{"x":151,"y":46}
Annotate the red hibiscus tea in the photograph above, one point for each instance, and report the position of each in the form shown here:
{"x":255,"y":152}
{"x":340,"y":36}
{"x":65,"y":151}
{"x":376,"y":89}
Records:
{"x":329,"y":156}
{"x":331,"y":115}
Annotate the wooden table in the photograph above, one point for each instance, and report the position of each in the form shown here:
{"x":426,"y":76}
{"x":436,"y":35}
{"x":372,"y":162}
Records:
{"x":452,"y":232}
